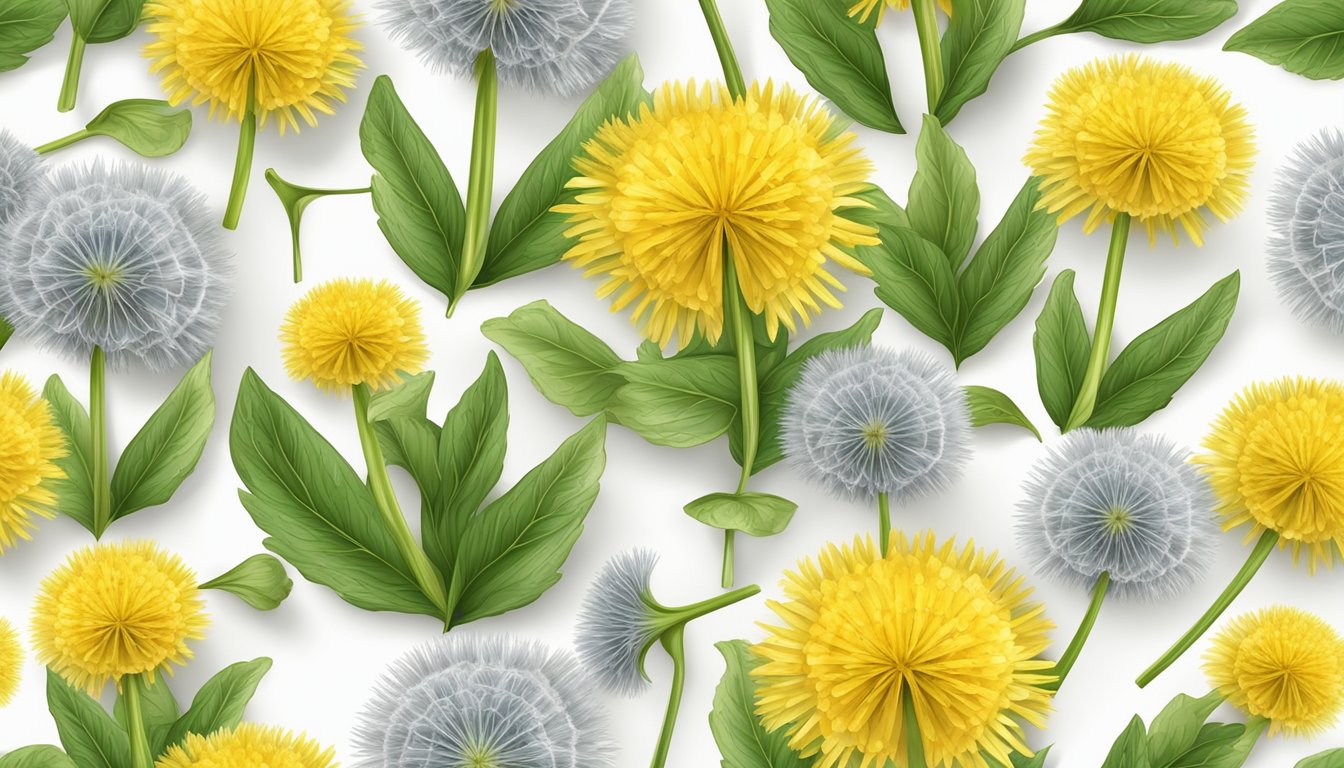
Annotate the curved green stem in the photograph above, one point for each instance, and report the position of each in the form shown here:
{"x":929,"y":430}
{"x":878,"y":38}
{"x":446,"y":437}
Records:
{"x":74,"y":63}
{"x":914,"y":740}
{"x":1075,"y":648}
{"x":102,"y":483}
{"x":135,"y":722}
{"x":63,"y":142}
{"x":296,"y":200}
{"x":732,"y":70}
{"x":481,"y":183}
{"x":674,"y":642}
{"x":884,"y":522}
{"x":1086,"y":401}
{"x":673,"y":616}
{"x":1036,"y":37}
{"x":930,"y":47}
{"x":242,"y":165}
{"x":426,"y":575}
{"x":1257,"y":558}
{"x":739,"y":318}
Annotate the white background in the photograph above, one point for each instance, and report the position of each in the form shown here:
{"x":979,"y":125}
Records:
{"x":327,"y":654}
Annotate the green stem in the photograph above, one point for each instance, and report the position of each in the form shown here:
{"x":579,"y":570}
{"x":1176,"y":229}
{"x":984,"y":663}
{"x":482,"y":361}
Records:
{"x":242,"y":166}
{"x":295,"y":199}
{"x":102,"y":484}
{"x":1075,"y":648}
{"x":673,"y":616}
{"x":930,"y":47}
{"x":73,"y":65}
{"x":135,"y":722}
{"x":1036,"y":37}
{"x":729,"y":548}
{"x":1253,"y":562}
{"x":62,"y":143}
{"x":914,"y":741}
{"x":481,"y":183}
{"x":431,"y":583}
{"x":884,"y":522}
{"x":1101,"y":335}
{"x":732,"y":71}
{"x":674,"y":642}
{"x":739,"y":318}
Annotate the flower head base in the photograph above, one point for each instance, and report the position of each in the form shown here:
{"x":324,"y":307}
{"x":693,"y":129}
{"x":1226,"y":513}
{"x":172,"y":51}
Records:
{"x":492,"y":702}
{"x":122,"y":257}
{"x":663,"y":193}
{"x":561,"y":46}
{"x":863,"y":9}
{"x":867,"y":420}
{"x":30,"y":444}
{"x":1282,"y":664}
{"x":247,"y":746}
{"x":114,"y":610}
{"x":952,"y":627}
{"x":617,"y":623}
{"x":1306,"y":251}
{"x":348,"y":332}
{"x":1151,"y":140}
{"x":21,"y":172}
{"x":11,"y":661}
{"x":1276,"y":462}
{"x":285,"y":59}
{"x":1123,"y":504}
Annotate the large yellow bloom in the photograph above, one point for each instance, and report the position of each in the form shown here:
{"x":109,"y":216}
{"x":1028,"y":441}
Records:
{"x":864,"y":8}
{"x":247,"y":746}
{"x":114,"y":610}
{"x":661,"y":193}
{"x":346,"y":332}
{"x":30,"y":444}
{"x":954,"y":626}
{"x":1276,"y":461}
{"x":1282,"y":664}
{"x":11,"y":661}
{"x":1153,"y":140}
{"x":297,"y":56}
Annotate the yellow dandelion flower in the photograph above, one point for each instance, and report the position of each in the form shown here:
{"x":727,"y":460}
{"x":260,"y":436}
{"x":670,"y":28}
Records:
{"x":1152,"y":140}
{"x":952,"y":626}
{"x":1282,"y":664}
{"x":30,"y":444}
{"x":863,"y":9}
{"x":661,"y":193}
{"x":114,"y":610}
{"x":247,"y":746}
{"x":348,"y":332}
{"x":11,"y":661}
{"x":1276,"y":462}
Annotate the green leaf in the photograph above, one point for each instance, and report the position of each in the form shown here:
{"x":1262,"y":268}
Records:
{"x":1148,"y":21}
{"x":1330,"y":758}
{"x":944,"y":200}
{"x":743,"y":741}
{"x":409,"y":398}
{"x":914,"y":278}
{"x":1130,"y":749}
{"x":839,"y":57}
{"x":1147,"y":373}
{"x":678,"y":402}
{"x":526,"y":234}
{"x":419,"y":208}
{"x":148,"y":127}
{"x":512,"y":550}
{"x":158,"y":711}
{"x":412,"y":443}
{"x":260,"y":581}
{"x":568,"y":365}
{"x":167,"y":448}
{"x":102,"y":21}
{"x":90,"y":736}
{"x":222,"y":701}
{"x":881,"y":211}
{"x":979,"y":36}
{"x":998,"y":283}
{"x":1305,"y":37}
{"x":1018,"y":761}
{"x":1062,"y":347}
{"x":74,"y":491}
{"x":1177,"y":726}
{"x":1213,"y":746}
{"x":320,"y":515}
{"x":990,"y":406}
{"x":755,"y":514}
{"x":37,"y":756}
{"x":25,"y":26}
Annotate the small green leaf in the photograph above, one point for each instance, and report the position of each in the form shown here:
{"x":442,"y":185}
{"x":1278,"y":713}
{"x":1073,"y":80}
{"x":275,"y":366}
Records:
{"x":75,"y":490}
{"x":102,"y":21}
{"x":944,"y":204}
{"x":222,"y":701}
{"x":755,"y":514}
{"x":167,"y":448}
{"x":37,"y":756}
{"x":914,"y":278}
{"x":260,"y":581}
{"x":409,"y":398}
{"x":1148,"y":372}
{"x":158,"y":712}
{"x":979,"y":36}
{"x":148,"y":127}
{"x":881,"y":211}
{"x":1062,"y":347}
{"x":1305,"y":37}
{"x":743,"y":741}
{"x":25,"y":26}
{"x":990,"y":406}
{"x":1148,"y":21}
{"x":1330,"y":758}
{"x":678,"y":402}
{"x":1175,"y":729}
{"x":1130,"y":749}
{"x":90,"y":736}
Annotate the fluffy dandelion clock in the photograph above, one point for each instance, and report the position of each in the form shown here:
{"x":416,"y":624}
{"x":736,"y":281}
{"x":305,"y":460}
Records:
{"x":247,"y":746}
{"x":21,"y":172}
{"x":119,"y":258}
{"x":11,"y":662}
{"x":1306,"y":215}
{"x":1281,"y":664}
{"x":484,"y":702}
{"x":30,"y":445}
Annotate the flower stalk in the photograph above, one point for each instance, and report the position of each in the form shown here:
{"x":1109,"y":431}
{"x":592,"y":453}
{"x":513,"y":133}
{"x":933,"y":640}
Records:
{"x":739,"y":318}
{"x":914,"y":740}
{"x":242,"y":166}
{"x":930,"y":47}
{"x":723,"y":45}
{"x":481,"y":183}
{"x":296,"y":200}
{"x":1075,"y":647}
{"x":1086,"y":401}
{"x":131,"y":689}
{"x":102,"y":483}
{"x":884,"y":522}
{"x":74,"y":64}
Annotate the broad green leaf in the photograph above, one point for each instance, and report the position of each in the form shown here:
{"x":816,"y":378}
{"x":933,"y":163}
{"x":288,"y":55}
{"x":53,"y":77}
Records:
{"x":90,"y":736}
{"x":881,"y":211}
{"x":37,"y":756}
{"x":678,"y":402}
{"x":158,"y":712}
{"x":1147,"y":373}
{"x":167,"y":448}
{"x":743,"y":741}
{"x":990,"y":406}
{"x":979,"y":36}
{"x":512,"y":550}
{"x":1175,"y":729}
{"x":755,"y":514}
{"x":1211,"y":747}
{"x":148,"y":127}
{"x":25,"y":26}
{"x":1305,"y":37}
{"x":1330,"y":758}
{"x":1062,"y":346}
{"x":567,"y":364}
{"x":1130,"y":749}
{"x":839,"y":57}
{"x":419,"y":208}
{"x":944,"y":204}
{"x":260,"y":581}
{"x":526,"y":234}
{"x":102,"y":21}
{"x":74,"y":492}
{"x":998,"y":282}
{"x":1147,"y":21}
{"x":914,"y":278}
{"x":320,"y":515}
{"x":408,"y":398}
{"x":221,"y":702}
{"x":412,"y":443}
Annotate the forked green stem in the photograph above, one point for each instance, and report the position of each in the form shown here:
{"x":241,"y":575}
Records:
{"x":131,"y":689}
{"x":1086,"y":401}
{"x":884,"y":522}
{"x":63,"y":142}
{"x":1075,"y":648}
{"x":930,"y":47}
{"x":296,"y":200}
{"x":914,"y":740}
{"x":743,"y":329}
{"x":674,"y":642}
{"x":74,"y":63}
{"x":102,"y":484}
{"x":481,"y":183}
{"x":723,"y":45}
{"x":1257,"y":558}
{"x":242,"y":166}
